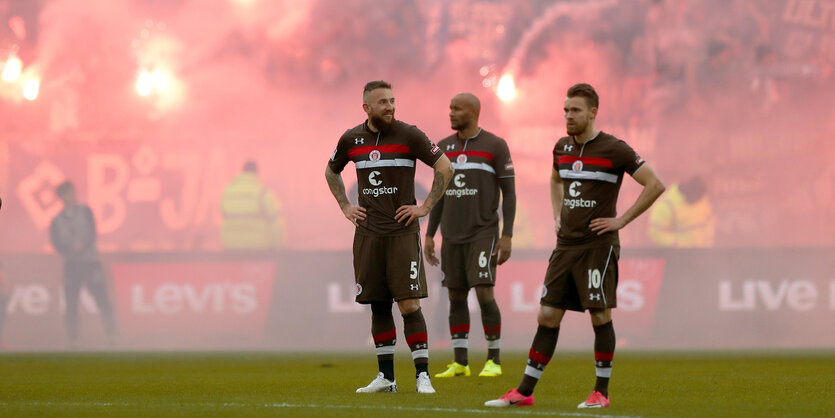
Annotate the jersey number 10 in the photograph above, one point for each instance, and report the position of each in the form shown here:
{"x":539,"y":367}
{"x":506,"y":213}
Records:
{"x":594,"y":279}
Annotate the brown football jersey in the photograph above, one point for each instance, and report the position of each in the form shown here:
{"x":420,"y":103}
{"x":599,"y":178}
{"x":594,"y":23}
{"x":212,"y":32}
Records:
{"x":591,"y":174}
{"x":385,"y":163}
{"x":472,"y":197}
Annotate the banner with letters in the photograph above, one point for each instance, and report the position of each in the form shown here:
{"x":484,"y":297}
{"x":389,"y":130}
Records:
{"x":732,"y":298}
{"x":191,"y":304}
{"x":304,"y":300}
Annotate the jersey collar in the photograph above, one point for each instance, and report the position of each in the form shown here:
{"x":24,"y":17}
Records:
{"x":472,"y":137}
{"x":574,"y":138}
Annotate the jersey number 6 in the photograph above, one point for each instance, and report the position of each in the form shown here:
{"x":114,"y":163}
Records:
{"x":482,"y":260}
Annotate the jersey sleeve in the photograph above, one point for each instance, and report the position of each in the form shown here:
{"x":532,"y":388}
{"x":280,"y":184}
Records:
{"x":339,"y":158}
{"x":502,"y":162}
{"x":422,"y":148}
{"x":627,"y":158}
{"x":556,"y":156}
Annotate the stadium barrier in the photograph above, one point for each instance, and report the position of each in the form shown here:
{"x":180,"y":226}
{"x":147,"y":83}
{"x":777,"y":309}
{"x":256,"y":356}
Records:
{"x":303,"y":300}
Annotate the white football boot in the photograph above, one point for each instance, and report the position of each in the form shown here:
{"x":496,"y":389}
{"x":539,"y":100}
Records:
{"x":380,"y":384}
{"x":423,"y":384}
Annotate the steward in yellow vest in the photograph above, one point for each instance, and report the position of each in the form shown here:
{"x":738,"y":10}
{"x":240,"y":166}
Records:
{"x":251,"y":213}
{"x":683,"y":217}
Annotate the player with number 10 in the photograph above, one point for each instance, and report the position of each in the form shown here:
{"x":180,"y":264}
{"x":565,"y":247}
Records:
{"x":583,"y":270}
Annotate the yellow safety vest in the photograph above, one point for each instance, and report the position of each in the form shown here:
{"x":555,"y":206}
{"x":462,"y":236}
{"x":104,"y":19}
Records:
{"x":676,"y":223}
{"x":251,"y":215}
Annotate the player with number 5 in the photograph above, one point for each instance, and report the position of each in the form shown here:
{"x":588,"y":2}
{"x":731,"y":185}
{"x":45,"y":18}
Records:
{"x":387,"y":263}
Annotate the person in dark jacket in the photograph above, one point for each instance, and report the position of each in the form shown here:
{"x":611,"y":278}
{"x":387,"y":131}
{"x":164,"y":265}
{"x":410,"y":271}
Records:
{"x":73,"y":234}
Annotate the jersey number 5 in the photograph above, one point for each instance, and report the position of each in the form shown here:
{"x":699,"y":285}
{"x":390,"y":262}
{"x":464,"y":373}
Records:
{"x":413,"y":269}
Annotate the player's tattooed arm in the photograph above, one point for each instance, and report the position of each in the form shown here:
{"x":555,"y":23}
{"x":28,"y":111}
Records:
{"x":443,"y":173}
{"x":337,"y":186}
{"x":439,"y":185}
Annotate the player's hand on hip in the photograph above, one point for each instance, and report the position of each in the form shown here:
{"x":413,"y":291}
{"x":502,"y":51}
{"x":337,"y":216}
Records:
{"x":604,"y":225}
{"x":503,"y":249}
{"x":429,"y":251}
{"x":354,"y":213}
{"x":409,"y":213}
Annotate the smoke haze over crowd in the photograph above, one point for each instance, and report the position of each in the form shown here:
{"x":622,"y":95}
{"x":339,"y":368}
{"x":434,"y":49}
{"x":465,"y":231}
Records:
{"x":152,"y":106}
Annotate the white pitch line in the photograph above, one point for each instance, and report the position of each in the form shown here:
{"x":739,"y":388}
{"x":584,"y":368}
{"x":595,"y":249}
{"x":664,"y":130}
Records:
{"x":509,"y":411}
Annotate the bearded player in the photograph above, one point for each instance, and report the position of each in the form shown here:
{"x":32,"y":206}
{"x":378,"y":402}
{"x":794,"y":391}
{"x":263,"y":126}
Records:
{"x":583,"y":270}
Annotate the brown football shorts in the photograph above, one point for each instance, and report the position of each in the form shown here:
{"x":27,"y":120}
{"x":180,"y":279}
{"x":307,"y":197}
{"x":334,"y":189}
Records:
{"x":580,"y":279}
{"x":387,"y":268}
{"x":469,"y":264}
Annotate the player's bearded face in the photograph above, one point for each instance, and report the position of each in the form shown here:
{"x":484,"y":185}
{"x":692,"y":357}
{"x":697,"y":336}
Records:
{"x":577,"y":115}
{"x":382,"y":120}
{"x":380,"y":108}
{"x":576,"y":126}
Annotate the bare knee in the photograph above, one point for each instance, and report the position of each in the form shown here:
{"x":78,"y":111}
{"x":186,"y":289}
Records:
{"x":484,"y":294}
{"x":408,"y":306}
{"x":549,"y":316}
{"x":458,"y":295}
{"x":600,"y":316}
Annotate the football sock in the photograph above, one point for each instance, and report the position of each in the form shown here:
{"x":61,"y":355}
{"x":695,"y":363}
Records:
{"x":491,"y":319}
{"x":385,"y":335}
{"x":604,"y":351}
{"x":459,"y":329}
{"x":542,"y":348}
{"x":414,"y":326}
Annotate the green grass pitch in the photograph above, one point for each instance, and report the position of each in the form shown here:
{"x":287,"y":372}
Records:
{"x":257,"y":384}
